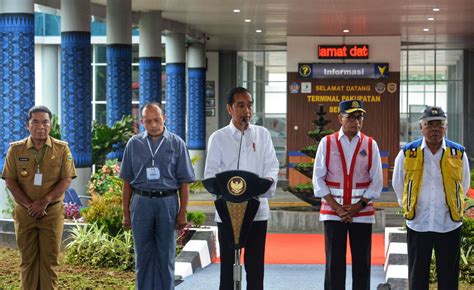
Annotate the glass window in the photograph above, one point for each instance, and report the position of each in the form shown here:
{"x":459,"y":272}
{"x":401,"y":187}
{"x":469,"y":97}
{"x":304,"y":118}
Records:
{"x":100,"y":113}
{"x":100,"y":82}
{"x":100,"y":53}
{"x":430,"y":77}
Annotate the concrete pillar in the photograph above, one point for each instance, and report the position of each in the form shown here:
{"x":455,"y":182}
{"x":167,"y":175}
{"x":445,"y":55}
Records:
{"x":17,"y":89}
{"x":196,"y":106}
{"x":150,"y":57}
{"x":227,"y":80}
{"x":49,"y":70}
{"x":259,"y":93}
{"x":175,"y":84}
{"x":119,"y":63}
{"x":76,"y":113}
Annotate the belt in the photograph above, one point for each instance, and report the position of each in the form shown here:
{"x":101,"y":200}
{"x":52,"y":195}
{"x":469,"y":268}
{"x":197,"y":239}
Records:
{"x":155,"y":194}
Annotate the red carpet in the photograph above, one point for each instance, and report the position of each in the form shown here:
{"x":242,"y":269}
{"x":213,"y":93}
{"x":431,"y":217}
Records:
{"x":309,"y":249}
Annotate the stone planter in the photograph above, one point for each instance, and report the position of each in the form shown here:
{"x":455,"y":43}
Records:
{"x":306,"y":220}
{"x":8,"y":237}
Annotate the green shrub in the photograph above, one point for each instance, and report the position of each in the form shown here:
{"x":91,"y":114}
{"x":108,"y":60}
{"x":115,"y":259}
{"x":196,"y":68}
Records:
{"x":466,"y":263}
{"x":196,"y":218}
{"x":472,"y":178}
{"x":106,"y":139}
{"x":105,"y":206}
{"x":91,"y":245}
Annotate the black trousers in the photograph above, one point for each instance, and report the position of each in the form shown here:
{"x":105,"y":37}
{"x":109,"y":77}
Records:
{"x":420,"y":248}
{"x":254,"y":255}
{"x":360,"y":237}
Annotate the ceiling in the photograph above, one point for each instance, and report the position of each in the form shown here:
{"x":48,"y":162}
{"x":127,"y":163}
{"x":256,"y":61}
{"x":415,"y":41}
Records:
{"x":452,"y":27}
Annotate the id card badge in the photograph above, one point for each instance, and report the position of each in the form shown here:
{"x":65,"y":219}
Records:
{"x":38,"y":179}
{"x":152,"y":173}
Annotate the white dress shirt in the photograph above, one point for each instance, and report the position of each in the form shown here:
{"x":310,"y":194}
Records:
{"x":257,"y":155}
{"x":348,"y":147}
{"x":431,"y":212}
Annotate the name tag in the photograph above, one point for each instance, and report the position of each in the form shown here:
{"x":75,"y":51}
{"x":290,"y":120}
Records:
{"x":38,"y":179}
{"x":152,"y":173}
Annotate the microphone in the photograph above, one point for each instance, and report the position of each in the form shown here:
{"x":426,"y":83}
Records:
{"x":245,"y":121}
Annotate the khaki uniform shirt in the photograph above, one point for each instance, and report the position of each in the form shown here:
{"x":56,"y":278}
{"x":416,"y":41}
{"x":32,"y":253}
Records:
{"x":21,"y":166}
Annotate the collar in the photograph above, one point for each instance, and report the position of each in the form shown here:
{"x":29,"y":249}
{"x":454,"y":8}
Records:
{"x":423,"y":144}
{"x":341,"y":133}
{"x":234,"y":129}
{"x":29,"y":143}
{"x":165,"y":134}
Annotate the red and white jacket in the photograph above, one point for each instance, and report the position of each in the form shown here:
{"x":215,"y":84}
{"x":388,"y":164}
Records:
{"x":348,"y":182}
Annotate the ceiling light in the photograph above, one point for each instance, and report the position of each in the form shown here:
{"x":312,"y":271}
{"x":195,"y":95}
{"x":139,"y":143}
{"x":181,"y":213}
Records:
{"x":248,"y":20}
{"x":430,"y":18}
{"x":426,"y":29}
{"x":435,"y":9}
{"x":346,"y":31}
{"x":258,"y":30}
{"x":236,"y":10}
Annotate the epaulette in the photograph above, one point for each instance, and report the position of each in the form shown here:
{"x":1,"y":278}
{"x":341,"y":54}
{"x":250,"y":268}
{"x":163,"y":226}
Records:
{"x":17,"y":143}
{"x":60,"y":142}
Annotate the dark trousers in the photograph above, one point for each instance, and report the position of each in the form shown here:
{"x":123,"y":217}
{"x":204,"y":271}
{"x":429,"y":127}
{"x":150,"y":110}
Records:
{"x":360,"y":238}
{"x":254,"y":255}
{"x":420,"y":248}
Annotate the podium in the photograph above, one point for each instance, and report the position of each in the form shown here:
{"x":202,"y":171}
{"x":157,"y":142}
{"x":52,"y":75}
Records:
{"x":237,"y":205}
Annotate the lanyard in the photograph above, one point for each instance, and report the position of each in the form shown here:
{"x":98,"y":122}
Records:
{"x":156,"y":151}
{"x":38,"y":162}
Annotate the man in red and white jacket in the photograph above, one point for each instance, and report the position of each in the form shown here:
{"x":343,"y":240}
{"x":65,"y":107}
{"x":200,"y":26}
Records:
{"x":348,"y":176}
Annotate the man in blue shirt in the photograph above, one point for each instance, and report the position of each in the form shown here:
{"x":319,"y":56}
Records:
{"x":155,"y":166}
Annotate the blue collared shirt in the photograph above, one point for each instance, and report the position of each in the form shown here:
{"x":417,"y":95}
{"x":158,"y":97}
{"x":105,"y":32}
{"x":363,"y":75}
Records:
{"x":172,"y":159}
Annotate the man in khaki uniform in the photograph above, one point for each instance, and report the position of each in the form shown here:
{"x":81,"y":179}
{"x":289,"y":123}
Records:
{"x":37,"y":171}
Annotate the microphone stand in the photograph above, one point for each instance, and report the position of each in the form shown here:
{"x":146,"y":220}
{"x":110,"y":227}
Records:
{"x":237,"y":269}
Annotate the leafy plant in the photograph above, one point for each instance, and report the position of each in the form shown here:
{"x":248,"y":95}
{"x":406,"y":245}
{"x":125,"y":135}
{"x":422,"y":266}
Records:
{"x":55,"y":128}
{"x":197,"y":185}
{"x":10,"y":203}
{"x":106,"y":139}
{"x":92,"y":245}
{"x":105,"y":211}
{"x":105,"y":206}
{"x":472,"y":178}
{"x":106,"y":179}
{"x":196,"y":218}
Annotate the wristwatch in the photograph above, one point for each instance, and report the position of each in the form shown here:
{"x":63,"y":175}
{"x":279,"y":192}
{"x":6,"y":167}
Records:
{"x":363,"y":203}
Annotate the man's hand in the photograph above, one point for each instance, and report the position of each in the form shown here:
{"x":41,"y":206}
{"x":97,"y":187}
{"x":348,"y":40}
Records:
{"x":343,"y":213}
{"x":181,"y":220}
{"x":37,"y":209}
{"x":353,"y":209}
{"x":126,"y":221}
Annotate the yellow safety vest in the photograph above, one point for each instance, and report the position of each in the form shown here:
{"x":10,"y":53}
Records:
{"x":451,"y":171}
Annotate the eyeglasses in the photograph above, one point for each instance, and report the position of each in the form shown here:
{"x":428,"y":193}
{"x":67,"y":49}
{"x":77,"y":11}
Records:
{"x":434,"y":124}
{"x":352,"y":118}
{"x":45,"y":123}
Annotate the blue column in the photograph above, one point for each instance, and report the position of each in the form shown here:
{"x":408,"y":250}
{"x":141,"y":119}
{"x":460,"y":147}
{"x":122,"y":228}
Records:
{"x":76,"y":95}
{"x":196,"y":110}
{"x":176,"y":99}
{"x":17,"y":78}
{"x":119,"y":86}
{"x":149,"y":80}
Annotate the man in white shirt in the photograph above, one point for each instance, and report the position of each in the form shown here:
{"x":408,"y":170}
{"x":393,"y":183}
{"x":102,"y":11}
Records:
{"x":347,"y":176}
{"x":257,"y":155}
{"x":431,"y":177}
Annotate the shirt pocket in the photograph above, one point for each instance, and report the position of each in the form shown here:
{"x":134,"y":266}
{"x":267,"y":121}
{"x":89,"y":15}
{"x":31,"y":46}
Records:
{"x":170,"y":157}
{"x":25,"y":172}
{"x":52,"y":170}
